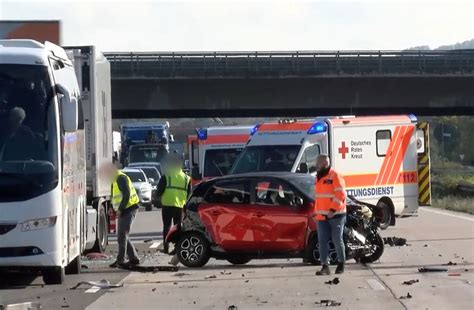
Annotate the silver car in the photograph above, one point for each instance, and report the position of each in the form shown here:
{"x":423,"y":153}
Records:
{"x":142,"y":185}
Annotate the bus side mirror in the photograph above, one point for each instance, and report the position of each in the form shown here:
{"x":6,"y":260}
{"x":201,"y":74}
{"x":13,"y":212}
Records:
{"x":195,"y":173}
{"x":69,"y":109}
{"x":303,"y":168}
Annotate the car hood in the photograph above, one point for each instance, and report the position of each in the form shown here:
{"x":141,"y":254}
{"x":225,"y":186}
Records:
{"x":140,"y":185}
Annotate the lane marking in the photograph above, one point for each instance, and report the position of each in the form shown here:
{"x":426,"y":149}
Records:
{"x":441,"y":212}
{"x":93,"y":290}
{"x":375,"y":285}
{"x":155,"y":245}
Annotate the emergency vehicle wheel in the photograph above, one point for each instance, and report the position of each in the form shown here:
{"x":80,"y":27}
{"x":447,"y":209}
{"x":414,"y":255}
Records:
{"x":53,"y":275}
{"x":102,"y":233}
{"x":193,"y":250}
{"x":386,"y":216}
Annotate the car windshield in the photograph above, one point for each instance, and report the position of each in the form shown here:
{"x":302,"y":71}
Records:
{"x":135,"y":176}
{"x":218,"y":162}
{"x":141,"y":135}
{"x":273,"y":158}
{"x":28,"y":148}
{"x":151,"y":173}
{"x":304,"y":183}
{"x":148,"y":154}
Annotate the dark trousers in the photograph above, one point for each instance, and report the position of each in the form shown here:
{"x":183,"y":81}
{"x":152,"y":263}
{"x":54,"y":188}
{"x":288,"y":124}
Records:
{"x":125,"y":222}
{"x":170,"y":214}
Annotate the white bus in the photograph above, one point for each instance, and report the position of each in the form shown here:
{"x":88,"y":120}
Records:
{"x":55,"y":132}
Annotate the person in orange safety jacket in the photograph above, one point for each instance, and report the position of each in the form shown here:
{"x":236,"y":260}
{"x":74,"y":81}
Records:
{"x":330,"y":213}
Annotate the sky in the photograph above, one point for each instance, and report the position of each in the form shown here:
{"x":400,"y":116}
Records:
{"x":243,"y":25}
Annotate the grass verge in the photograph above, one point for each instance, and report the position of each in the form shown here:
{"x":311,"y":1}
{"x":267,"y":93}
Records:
{"x":453,"y":203}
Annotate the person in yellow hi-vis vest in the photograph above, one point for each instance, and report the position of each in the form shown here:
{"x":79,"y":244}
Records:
{"x":173,"y":188}
{"x":125,"y":203}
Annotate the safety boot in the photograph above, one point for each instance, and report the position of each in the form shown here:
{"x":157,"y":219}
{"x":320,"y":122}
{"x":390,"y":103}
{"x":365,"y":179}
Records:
{"x":324,"y":271}
{"x":340,"y":268}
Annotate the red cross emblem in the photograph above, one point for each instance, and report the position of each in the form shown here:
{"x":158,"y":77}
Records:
{"x":343,"y":150}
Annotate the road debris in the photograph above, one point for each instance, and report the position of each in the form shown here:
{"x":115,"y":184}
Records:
{"x":84,"y":266}
{"x":232,"y":307}
{"x":97,"y":256}
{"x":211,"y":277}
{"x":450,"y":263}
{"x":408,"y":296}
{"x":153,"y":269}
{"x":246,"y":281}
{"x":153,"y":289}
{"x":328,"y":303}
{"x":24,"y":305}
{"x":395,"y":241}
{"x":334,"y":281}
{"x":454,"y":274}
{"x":174,"y":260}
{"x":181,"y":274}
{"x":148,"y":240}
{"x":226,"y":273}
{"x":410,"y":282}
{"x":432,"y":269}
{"x":103,"y":284}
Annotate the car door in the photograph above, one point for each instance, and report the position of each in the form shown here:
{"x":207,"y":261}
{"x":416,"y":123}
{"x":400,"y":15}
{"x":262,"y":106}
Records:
{"x":226,"y":213}
{"x":279,"y":221}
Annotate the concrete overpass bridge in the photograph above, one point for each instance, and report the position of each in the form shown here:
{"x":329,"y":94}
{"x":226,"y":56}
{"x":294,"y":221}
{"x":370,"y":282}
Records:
{"x":306,"y":83}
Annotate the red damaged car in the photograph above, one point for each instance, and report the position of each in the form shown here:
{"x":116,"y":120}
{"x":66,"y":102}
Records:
{"x":250,"y":216}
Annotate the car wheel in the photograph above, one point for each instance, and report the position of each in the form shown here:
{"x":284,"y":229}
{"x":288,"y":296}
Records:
{"x":148,"y":207}
{"x":53,"y":275}
{"x":74,"y":267}
{"x":239,"y":260}
{"x":193,"y":250}
{"x":312,"y":252}
{"x":386,"y":215}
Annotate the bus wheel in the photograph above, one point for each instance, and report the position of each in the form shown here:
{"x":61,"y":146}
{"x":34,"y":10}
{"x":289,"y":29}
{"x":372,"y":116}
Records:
{"x":102,"y":231}
{"x":386,"y":215}
{"x":53,"y":275}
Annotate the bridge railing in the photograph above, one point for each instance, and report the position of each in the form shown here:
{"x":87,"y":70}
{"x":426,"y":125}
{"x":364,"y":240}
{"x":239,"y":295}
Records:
{"x":290,"y":64}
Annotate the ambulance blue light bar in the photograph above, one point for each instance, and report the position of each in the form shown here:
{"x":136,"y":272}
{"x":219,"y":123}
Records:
{"x":413,"y":118}
{"x":254,"y":129}
{"x":318,"y":127}
{"x":202,"y":134}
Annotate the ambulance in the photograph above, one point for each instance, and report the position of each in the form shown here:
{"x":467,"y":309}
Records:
{"x":213,"y":150}
{"x":384,"y":159}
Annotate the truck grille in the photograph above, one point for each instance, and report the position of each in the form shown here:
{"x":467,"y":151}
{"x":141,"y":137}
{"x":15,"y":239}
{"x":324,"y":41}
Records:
{"x":4,"y":228}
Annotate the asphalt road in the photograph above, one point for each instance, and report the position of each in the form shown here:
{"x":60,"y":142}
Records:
{"x":435,"y":238}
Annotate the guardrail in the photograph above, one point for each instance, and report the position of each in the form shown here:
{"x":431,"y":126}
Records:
{"x":290,"y":64}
